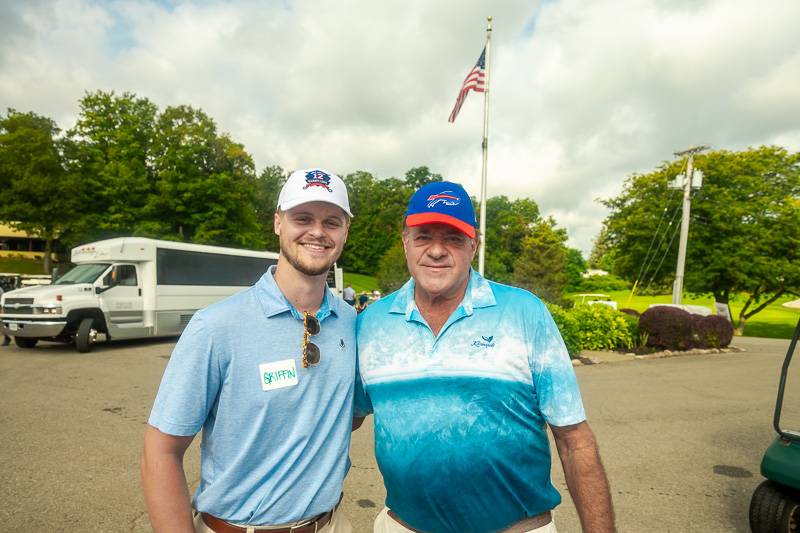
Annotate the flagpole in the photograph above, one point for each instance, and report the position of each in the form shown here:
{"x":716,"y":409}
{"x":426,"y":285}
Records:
{"x":482,"y":247}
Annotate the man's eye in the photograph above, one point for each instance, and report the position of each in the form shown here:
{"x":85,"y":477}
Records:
{"x":333,"y":224}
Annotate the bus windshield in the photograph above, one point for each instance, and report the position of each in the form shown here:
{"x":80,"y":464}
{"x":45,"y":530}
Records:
{"x":82,"y":274}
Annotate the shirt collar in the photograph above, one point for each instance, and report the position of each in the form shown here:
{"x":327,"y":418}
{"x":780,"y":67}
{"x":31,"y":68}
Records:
{"x":478,"y":294}
{"x":274,"y":302}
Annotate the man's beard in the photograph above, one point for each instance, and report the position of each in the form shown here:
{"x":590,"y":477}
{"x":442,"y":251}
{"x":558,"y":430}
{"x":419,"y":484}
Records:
{"x":305,"y":269}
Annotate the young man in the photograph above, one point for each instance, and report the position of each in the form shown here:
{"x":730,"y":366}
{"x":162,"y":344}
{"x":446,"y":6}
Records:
{"x":462,"y":374}
{"x":268,"y":375}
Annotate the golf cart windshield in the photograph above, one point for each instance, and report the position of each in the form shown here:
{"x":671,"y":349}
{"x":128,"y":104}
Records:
{"x":787,"y":408}
{"x":82,"y":274}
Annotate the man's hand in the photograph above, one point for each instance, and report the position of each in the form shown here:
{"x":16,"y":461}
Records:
{"x":164,"y":482}
{"x":586,"y":478}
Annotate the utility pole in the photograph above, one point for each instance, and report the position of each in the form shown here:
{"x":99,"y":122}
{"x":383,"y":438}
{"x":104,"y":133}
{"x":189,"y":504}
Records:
{"x":677,"y":288}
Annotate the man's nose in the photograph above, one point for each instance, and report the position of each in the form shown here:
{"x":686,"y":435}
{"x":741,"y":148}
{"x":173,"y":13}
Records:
{"x":317,"y":229}
{"x":437,"y":249}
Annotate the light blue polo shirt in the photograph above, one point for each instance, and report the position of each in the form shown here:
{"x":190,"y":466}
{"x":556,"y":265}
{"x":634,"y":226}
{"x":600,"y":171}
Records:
{"x":460,"y":417}
{"x":275,"y":434}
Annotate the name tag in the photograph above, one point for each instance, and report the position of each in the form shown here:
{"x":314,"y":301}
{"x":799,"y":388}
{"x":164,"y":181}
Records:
{"x":278,"y":374}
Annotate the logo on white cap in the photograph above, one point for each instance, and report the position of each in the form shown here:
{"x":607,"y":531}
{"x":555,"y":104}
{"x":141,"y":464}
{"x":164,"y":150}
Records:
{"x":313,"y":185}
{"x":318,"y":178}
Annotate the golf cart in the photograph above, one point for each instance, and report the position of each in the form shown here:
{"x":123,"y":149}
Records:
{"x":596,"y":299}
{"x":775,"y":506}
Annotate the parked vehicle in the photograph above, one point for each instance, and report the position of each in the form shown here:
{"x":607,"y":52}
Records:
{"x":775,"y":505}
{"x":596,"y":299}
{"x":129,"y":288}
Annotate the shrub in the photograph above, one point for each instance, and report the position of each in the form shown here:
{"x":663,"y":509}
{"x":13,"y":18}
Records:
{"x":711,"y":331}
{"x":568,"y":327}
{"x":601,"y":327}
{"x":667,"y":327}
{"x":604,"y":284}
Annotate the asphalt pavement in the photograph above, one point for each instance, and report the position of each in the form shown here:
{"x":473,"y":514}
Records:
{"x":681,"y":438}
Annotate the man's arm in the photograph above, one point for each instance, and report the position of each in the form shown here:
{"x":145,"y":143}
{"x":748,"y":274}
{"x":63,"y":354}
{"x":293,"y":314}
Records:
{"x":164,"y":481}
{"x":586,"y":478}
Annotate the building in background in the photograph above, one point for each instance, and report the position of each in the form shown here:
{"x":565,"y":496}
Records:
{"x":16,"y":243}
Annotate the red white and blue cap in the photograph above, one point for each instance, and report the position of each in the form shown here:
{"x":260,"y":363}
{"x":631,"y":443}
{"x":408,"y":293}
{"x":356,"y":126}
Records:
{"x":444,"y":202}
{"x":313,"y":185}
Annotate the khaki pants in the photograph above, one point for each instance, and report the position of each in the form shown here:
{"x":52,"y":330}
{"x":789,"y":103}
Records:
{"x":386,"y":524}
{"x":338,"y":524}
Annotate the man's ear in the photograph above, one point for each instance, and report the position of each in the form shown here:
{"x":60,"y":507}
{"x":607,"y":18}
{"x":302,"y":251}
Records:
{"x":276,"y":223}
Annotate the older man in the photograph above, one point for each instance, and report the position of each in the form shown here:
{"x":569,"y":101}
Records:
{"x":275,"y":405}
{"x":462,"y":375}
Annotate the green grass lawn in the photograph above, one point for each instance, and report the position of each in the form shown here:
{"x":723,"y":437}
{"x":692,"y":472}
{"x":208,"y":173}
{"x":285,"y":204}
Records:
{"x":774,"y":321}
{"x":360,"y":282}
{"x":21,"y":266}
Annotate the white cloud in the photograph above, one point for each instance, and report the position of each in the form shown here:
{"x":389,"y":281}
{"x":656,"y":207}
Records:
{"x":597,"y":91}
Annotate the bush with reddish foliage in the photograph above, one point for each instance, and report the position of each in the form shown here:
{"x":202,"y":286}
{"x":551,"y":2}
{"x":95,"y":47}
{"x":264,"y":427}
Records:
{"x":711,"y":331}
{"x":629,"y":311}
{"x":667,"y":328}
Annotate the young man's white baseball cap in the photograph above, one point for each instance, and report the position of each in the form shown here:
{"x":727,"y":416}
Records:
{"x":313,"y":185}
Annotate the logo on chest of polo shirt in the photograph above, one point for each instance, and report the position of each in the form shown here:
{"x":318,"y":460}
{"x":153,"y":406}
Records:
{"x":485,"y":342}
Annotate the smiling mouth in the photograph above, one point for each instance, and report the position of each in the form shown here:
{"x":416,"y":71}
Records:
{"x":315,"y":247}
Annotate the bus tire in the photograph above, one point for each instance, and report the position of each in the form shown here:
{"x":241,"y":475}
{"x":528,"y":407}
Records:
{"x":84,"y":337}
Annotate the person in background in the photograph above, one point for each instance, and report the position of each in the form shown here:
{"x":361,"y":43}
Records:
{"x":349,"y":295}
{"x":6,"y":338}
{"x":363,"y":301}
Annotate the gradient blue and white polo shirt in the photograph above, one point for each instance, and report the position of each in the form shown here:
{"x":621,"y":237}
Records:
{"x":460,"y":433}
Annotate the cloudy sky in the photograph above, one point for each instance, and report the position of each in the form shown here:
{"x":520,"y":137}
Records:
{"x":583,"y":93}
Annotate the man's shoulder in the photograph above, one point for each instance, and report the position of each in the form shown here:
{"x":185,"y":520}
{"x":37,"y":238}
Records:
{"x":229,"y":309}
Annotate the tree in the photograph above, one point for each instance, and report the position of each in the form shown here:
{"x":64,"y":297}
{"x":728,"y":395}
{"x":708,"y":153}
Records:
{"x":541,"y":264}
{"x":268,"y":188}
{"x":204,"y":184}
{"x":575,"y":267}
{"x":38,"y":194}
{"x":508,"y":224}
{"x":393,"y":268}
{"x":744,"y":234}
{"x":111,"y":153}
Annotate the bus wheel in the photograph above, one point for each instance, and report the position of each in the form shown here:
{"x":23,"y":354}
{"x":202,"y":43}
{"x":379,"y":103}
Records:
{"x":773,"y":510}
{"x":25,"y":342}
{"x":85,"y":336}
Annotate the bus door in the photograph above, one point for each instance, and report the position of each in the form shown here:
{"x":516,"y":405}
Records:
{"x":122,"y":301}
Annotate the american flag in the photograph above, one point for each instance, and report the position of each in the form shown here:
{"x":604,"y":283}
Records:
{"x":473,"y":82}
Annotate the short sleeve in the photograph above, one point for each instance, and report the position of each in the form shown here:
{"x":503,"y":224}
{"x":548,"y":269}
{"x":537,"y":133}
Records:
{"x":557,"y":390}
{"x":190,"y":383}
{"x":362,"y":406}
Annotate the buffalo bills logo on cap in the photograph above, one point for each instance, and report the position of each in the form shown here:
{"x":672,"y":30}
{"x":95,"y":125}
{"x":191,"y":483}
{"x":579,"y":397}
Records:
{"x":444,"y":197}
{"x":317,"y":178}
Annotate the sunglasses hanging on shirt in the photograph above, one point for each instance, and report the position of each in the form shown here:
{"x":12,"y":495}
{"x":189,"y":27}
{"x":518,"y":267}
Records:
{"x":311,"y":327}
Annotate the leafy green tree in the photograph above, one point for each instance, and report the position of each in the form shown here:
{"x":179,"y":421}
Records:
{"x":744,"y":234}
{"x":393,"y":268}
{"x":575,"y":267}
{"x":508,"y":224}
{"x":541,"y":264}
{"x":420,"y":176}
{"x":111,"y":153}
{"x":37,"y":194}
{"x":268,"y":188}
{"x":204,"y":184}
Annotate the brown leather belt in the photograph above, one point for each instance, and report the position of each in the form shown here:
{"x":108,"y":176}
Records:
{"x":221,"y":526}
{"x":526,"y":524}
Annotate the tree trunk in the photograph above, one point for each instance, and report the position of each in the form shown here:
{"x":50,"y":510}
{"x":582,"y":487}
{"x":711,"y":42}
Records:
{"x":48,"y":249}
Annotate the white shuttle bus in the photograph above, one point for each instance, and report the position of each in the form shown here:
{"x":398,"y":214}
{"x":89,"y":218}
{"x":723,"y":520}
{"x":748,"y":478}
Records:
{"x":129,"y":288}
